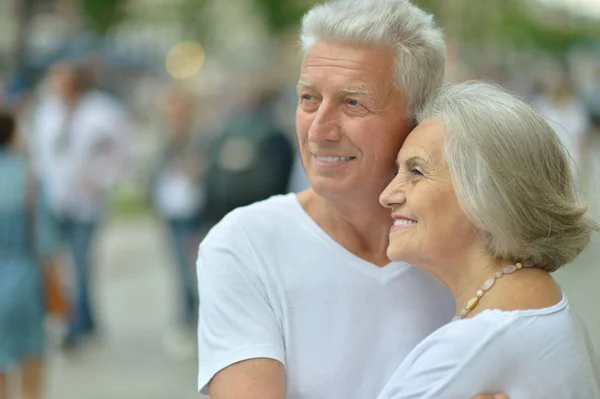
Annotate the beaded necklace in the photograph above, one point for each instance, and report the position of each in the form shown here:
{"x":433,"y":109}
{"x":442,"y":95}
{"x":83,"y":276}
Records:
{"x":487,"y":285}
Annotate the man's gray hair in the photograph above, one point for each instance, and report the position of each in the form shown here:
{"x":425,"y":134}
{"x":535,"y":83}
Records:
{"x":511,"y":175}
{"x":397,"y":24}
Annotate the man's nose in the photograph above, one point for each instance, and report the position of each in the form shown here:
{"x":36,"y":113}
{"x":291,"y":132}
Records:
{"x":326,"y":125}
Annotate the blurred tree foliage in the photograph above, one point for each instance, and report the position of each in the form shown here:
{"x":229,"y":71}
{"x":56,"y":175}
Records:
{"x":280,"y":16}
{"x":505,"y":22}
{"x":195,"y":17}
{"x":514,"y":23}
{"x":511,"y":23}
{"x":102,"y":15}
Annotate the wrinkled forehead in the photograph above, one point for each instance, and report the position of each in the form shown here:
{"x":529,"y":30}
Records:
{"x":328,"y":62}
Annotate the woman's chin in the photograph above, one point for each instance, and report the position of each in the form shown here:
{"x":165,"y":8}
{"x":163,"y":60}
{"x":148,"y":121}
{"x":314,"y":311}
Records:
{"x":396,"y":255}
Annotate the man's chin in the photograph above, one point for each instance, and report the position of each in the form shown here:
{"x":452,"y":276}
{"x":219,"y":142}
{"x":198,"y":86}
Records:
{"x":337,"y":189}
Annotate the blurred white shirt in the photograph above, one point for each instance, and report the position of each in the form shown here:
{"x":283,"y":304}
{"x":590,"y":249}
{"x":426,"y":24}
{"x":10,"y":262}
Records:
{"x":571,"y":123}
{"x":80,"y":157}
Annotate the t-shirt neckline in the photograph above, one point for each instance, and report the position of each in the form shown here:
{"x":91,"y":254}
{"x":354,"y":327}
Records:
{"x":383,"y":273}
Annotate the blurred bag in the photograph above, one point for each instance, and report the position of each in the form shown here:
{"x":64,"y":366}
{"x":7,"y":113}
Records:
{"x":55,"y":300}
{"x":54,"y":295}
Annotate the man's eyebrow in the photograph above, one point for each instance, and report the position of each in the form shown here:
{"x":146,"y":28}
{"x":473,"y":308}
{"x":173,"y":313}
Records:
{"x":355,"y":90}
{"x":302,"y":82}
{"x":343,"y":90}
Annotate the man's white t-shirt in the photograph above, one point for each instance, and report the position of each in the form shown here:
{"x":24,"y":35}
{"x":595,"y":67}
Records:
{"x":541,"y":354}
{"x":274,"y":285}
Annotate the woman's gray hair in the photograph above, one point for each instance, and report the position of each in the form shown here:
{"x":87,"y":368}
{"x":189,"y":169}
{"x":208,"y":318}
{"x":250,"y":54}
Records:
{"x":419,"y":45}
{"x":511,"y":175}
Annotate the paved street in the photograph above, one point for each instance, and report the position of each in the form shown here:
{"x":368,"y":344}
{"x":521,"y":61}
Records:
{"x":134,"y":297}
{"x":135,"y":307}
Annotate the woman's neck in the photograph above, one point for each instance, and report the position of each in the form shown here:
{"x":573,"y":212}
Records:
{"x":471,"y":283}
{"x":467,"y":273}
{"x":526,"y":288}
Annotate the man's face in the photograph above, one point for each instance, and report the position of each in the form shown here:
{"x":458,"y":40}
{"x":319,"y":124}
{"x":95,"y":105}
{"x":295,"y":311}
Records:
{"x":350,"y":119}
{"x":64,"y":81}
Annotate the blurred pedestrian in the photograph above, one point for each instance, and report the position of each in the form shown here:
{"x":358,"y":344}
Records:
{"x":591,"y":96}
{"x":251,"y":160}
{"x":568,"y":116}
{"x":298,"y":178}
{"x":80,"y":146}
{"x":178,"y":196}
{"x":27,"y":242}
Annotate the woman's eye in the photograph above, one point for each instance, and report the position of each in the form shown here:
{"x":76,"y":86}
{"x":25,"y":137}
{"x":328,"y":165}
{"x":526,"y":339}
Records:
{"x":416,"y":172}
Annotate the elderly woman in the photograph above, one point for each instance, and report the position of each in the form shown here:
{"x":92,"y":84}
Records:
{"x":484,"y":202}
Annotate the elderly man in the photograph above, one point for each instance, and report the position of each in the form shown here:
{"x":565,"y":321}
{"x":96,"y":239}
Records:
{"x":298,"y":298}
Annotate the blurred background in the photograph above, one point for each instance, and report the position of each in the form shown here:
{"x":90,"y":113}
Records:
{"x":189,"y":111}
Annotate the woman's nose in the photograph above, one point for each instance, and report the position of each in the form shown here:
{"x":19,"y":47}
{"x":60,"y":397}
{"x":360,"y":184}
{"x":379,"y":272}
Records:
{"x":393,"y":194}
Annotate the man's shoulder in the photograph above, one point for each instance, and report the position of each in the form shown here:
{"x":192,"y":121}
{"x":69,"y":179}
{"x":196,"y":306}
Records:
{"x":257,"y":219}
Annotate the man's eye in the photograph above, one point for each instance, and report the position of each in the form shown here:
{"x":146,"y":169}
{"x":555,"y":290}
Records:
{"x":354,"y":103}
{"x":307,"y":97}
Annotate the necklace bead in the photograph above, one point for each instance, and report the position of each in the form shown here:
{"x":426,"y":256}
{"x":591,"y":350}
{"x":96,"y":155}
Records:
{"x":509,"y":269}
{"x":471,"y":304}
{"x":487,"y":285}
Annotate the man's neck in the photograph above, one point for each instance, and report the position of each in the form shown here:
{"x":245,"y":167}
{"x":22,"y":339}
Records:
{"x":360,"y":226}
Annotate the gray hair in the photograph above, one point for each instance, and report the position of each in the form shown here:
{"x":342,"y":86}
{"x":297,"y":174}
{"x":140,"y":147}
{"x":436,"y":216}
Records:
{"x":397,"y":24}
{"x":511,"y":175}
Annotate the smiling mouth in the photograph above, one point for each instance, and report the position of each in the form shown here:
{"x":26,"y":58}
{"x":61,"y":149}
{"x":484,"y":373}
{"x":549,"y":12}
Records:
{"x":333,"y":159}
{"x":404,"y":222}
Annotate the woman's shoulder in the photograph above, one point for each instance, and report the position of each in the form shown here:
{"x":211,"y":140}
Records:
{"x":489,"y":350}
{"x":514,"y":352}
{"x":489,"y":333}
{"x":494,"y":324}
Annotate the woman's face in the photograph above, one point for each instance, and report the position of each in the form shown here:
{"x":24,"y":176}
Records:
{"x":429,"y":224}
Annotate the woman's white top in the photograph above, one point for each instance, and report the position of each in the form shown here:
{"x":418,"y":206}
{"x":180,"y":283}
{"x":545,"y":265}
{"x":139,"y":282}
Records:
{"x":542,"y":353}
